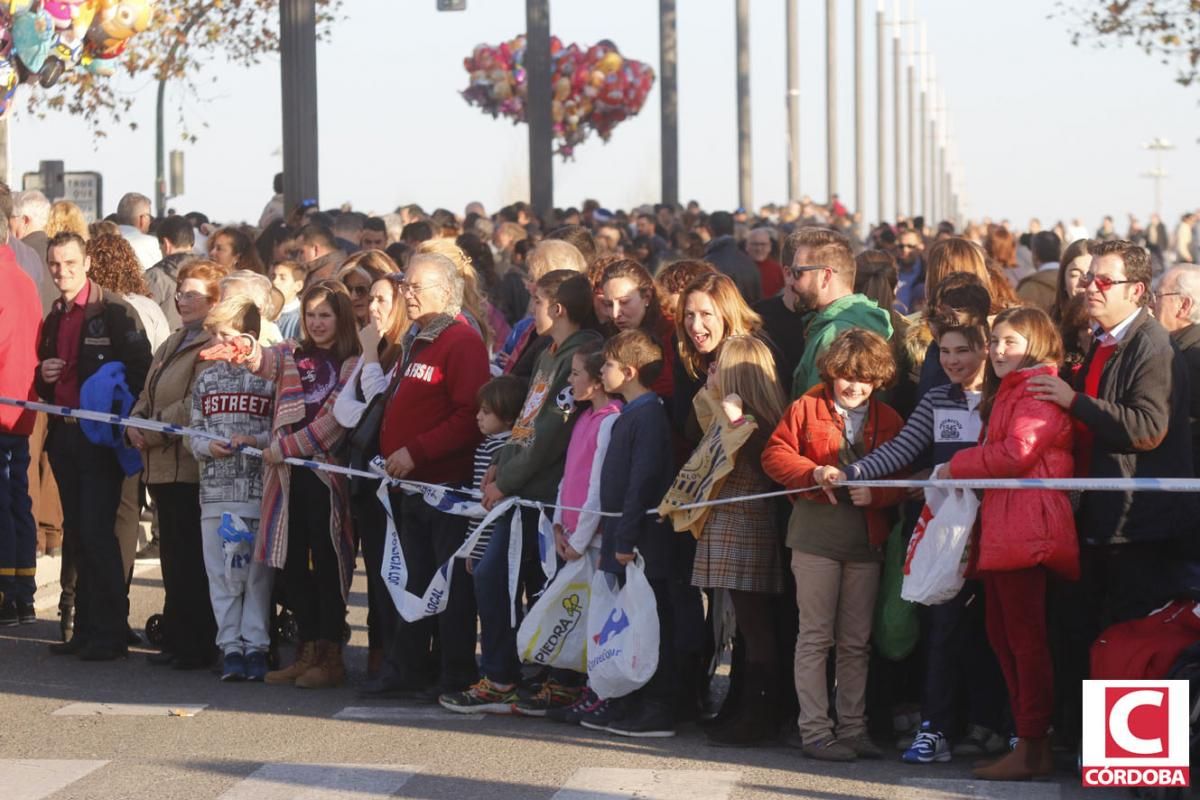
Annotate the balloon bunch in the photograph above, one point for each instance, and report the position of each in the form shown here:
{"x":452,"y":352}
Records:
{"x":42,"y":39}
{"x":593,"y":89}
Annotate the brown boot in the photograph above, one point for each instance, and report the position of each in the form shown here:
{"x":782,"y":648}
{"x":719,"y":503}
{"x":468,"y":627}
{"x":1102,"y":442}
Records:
{"x":305,"y":655}
{"x":1013,"y":767}
{"x":328,"y":670}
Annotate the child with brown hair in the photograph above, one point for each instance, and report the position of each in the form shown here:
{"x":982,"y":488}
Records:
{"x":836,"y":539}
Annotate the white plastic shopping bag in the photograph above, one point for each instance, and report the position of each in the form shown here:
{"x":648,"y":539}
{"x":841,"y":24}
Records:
{"x":554,"y":632}
{"x":622,"y":632}
{"x":937,"y":552}
{"x":237,"y":545}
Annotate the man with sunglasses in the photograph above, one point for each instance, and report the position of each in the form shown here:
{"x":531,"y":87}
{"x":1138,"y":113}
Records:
{"x":822,"y":278}
{"x":1131,"y":404}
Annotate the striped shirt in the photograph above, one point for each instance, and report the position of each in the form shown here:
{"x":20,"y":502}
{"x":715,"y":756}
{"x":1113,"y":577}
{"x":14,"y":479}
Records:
{"x":483,"y":461}
{"x":945,"y":421}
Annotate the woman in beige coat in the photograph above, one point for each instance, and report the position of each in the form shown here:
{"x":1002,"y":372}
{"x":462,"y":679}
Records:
{"x":173,"y":477}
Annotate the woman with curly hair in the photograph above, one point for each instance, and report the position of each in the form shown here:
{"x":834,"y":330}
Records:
{"x":116,"y":268}
{"x":475,"y":307}
{"x":233,"y":249}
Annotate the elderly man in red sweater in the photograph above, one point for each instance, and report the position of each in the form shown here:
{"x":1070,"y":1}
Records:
{"x":429,"y":434}
{"x":20,"y":325}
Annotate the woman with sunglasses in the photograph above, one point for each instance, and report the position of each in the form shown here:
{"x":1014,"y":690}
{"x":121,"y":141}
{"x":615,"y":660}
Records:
{"x":358,"y":274}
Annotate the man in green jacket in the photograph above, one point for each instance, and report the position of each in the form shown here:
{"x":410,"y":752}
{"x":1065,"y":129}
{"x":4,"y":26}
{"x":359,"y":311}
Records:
{"x":822,"y":277}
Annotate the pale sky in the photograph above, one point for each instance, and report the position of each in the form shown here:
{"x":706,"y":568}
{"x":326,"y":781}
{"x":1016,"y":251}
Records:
{"x":1042,"y":128}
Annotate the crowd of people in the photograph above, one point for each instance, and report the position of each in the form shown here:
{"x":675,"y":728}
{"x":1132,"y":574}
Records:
{"x":578,"y":361}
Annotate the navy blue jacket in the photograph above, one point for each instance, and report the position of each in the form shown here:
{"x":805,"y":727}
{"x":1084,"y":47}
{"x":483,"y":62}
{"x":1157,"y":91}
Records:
{"x":637,"y":472}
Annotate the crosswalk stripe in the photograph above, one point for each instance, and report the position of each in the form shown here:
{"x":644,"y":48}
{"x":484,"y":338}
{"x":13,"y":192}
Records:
{"x":402,"y":714}
{"x":35,"y":778}
{"x":953,"y":789}
{"x":608,"y":783}
{"x":321,"y":782}
{"x":130,"y":709}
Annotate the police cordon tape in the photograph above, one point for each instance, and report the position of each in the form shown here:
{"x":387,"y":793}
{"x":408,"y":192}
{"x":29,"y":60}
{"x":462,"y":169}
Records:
{"x":467,"y":503}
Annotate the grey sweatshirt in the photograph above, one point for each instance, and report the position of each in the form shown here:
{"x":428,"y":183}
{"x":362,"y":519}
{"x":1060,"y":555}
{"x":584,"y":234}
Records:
{"x":231,"y":401}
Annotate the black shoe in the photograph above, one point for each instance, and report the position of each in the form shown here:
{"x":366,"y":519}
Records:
{"x":131,"y":638}
{"x":66,"y":625}
{"x":9,"y":618}
{"x":163,"y":658}
{"x":102,"y":652}
{"x":149,"y":551}
{"x":650,"y":720}
{"x":392,"y":687}
{"x":27,"y":613}
{"x":67,"y":648}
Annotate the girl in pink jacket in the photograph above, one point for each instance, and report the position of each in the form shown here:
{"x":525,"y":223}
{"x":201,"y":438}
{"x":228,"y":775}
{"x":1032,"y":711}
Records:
{"x":1026,"y":534}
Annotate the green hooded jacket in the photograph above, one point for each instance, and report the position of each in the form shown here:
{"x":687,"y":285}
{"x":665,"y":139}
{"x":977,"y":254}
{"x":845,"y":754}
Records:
{"x":531,"y":464}
{"x":851,"y":311}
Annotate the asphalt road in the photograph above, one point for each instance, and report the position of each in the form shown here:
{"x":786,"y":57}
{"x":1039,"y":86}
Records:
{"x":152,"y":732}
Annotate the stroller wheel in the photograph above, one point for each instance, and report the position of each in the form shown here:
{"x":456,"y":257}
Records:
{"x":155,"y":631}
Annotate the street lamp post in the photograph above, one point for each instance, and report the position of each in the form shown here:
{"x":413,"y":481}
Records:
{"x":745,"y":166}
{"x":298,"y":68}
{"x":669,"y":96}
{"x":541,"y":130}
{"x":793,"y":99}
{"x":1159,"y":146}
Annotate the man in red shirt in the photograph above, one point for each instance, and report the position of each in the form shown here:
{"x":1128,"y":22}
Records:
{"x":86,"y":329}
{"x":770,"y":271}
{"x":429,"y":434}
{"x":20,"y":322}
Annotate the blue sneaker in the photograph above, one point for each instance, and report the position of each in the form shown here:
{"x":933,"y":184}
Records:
{"x":256,"y":666}
{"x":234,"y":668}
{"x":927,"y":747}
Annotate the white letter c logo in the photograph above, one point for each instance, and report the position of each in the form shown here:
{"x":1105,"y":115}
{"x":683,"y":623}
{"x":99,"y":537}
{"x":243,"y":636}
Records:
{"x":1118,"y":722}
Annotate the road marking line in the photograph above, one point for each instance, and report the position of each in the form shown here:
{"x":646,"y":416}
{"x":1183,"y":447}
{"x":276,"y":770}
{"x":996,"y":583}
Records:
{"x":402,"y":714}
{"x":35,"y":778}
{"x":958,"y":789}
{"x":321,"y":782}
{"x":607,"y":783}
{"x":130,"y":709}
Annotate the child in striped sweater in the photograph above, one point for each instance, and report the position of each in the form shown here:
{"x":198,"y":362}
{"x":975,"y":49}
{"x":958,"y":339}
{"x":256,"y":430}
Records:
{"x":945,"y":421}
{"x":499,"y":402}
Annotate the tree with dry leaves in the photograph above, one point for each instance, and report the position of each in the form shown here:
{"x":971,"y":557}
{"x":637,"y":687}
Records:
{"x":1166,"y":29}
{"x":184,"y":36}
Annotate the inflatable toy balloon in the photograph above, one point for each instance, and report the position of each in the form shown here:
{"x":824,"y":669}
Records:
{"x":8,"y":84}
{"x":592,"y":89}
{"x":69,"y":38}
{"x":33,"y":37}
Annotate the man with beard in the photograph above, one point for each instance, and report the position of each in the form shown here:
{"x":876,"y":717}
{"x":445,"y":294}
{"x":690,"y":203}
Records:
{"x":910,"y":260}
{"x":822,"y":278}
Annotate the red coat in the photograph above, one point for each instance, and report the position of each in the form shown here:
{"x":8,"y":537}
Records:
{"x":810,"y":435}
{"x":20,"y":328}
{"x":1025,"y":438}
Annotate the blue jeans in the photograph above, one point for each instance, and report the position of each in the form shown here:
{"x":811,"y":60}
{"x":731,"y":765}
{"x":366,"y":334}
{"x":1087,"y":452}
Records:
{"x":497,"y":635}
{"x":18,"y":531}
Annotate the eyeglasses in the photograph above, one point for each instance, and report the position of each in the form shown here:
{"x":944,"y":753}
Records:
{"x":415,"y":288}
{"x":1158,"y":296}
{"x":1103,"y":282}
{"x":359,"y":291}
{"x":796,"y":272}
{"x":189,"y":297}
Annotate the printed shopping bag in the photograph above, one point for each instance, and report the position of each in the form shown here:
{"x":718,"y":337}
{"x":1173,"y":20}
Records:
{"x":896,"y":627}
{"x":554,"y":632}
{"x":937,"y":553}
{"x":622,"y":630}
{"x":237,"y":547}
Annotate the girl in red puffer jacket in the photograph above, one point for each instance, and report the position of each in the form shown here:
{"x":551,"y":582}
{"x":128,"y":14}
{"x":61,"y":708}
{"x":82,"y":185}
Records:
{"x":1026,"y":534}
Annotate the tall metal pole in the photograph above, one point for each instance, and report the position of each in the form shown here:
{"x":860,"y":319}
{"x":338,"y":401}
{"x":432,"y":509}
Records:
{"x":669,"y":96}
{"x":541,"y":131}
{"x":745,"y":167}
{"x":912,"y":141}
{"x":896,"y":106}
{"x":160,"y":154}
{"x":935,"y":188}
{"x":860,"y":155}
{"x":831,"y":142}
{"x":921,"y":122}
{"x":881,"y":110}
{"x":793,"y":99}
{"x":298,"y":68}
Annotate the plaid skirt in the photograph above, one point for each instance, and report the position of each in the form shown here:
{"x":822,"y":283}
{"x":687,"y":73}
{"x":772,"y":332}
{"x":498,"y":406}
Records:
{"x":740,"y":546}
